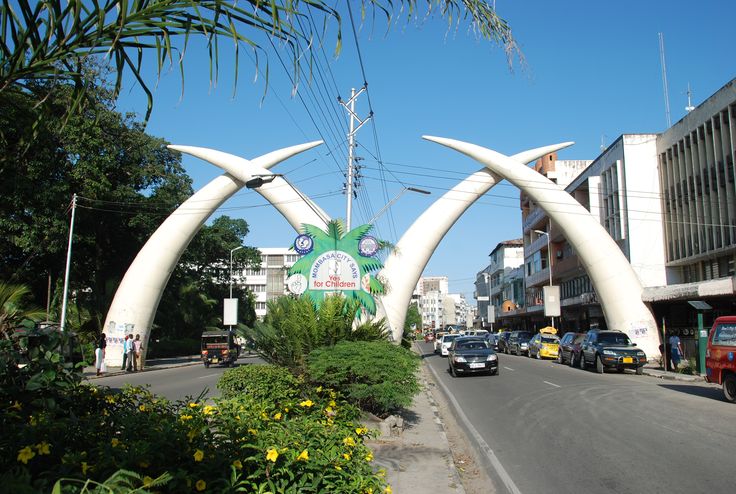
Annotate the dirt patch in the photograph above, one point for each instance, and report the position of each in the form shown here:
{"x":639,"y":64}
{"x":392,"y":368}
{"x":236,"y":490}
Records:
{"x":474,"y":478}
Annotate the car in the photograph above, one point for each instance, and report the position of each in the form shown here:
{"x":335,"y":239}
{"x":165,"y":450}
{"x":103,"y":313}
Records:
{"x":437,"y":340}
{"x":471,"y":354}
{"x":720,"y":356}
{"x":609,"y":349}
{"x":544,"y":345}
{"x":445,"y":343}
{"x":519,"y":342}
{"x":502,"y":341}
{"x":570,"y":348}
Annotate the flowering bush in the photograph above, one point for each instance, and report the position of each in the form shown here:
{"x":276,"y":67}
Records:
{"x":260,"y":382}
{"x":308,"y":441}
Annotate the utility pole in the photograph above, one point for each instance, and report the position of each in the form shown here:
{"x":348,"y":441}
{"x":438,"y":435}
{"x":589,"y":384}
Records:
{"x":350,"y":107}
{"x":62,"y":323}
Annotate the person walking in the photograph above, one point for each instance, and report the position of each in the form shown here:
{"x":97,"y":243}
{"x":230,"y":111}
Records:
{"x":125,"y":353}
{"x":100,"y":354}
{"x":137,"y":348}
{"x":676,"y":353}
{"x":130,"y":354}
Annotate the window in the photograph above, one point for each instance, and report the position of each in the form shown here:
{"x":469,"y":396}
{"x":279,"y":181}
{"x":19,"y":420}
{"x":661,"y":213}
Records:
{"x":725,"y":335}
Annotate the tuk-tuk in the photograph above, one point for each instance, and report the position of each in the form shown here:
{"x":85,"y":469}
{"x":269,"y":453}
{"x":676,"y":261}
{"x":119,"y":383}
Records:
{"x":219,"y":347}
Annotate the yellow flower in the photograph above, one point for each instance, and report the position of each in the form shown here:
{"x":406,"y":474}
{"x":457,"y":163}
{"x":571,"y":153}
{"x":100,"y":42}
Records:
{"x":201,"y":485}
{"x":110,"y":399}
{"x":277,"y":416}
{"x":238,"y":465}
{"x":193,"y":405}
{"x":272,"y":455}
{"x":332,"y":403}
{"x":43,"y":448}
{"x":208,"y":410}
{"x":361,"y":430}
{"x":319,"y":389}
{"x":142,"y":408}
{"x":306,"y":403}
{"x":252,"y":431}
{"x":85,"y":467}
{"x":286,"y":409}
{"x":25,"y":454}
{"x":338,"y":467}
{"x":237,"y":417}
{"x":346,"y":456}
{"x":349,"y":441}
{"x":388,"y":490}
{"x":18,"y":406}
{"x":303,"y":456}
{"x":198,"y":455}
{"x":147,"y":481}
{"x":114,"y":441}
{"x":369,"y":456}
{"x":264,"y":416}
{"x":184,"y":418}
{"x":369,"y":490}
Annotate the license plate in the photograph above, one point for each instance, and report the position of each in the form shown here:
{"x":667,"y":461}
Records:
{"x":477,"y":366}
{"x":628,"y":360}
{"x":215,"y":360}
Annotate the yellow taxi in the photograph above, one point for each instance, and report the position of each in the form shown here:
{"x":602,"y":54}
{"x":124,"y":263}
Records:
{"x":545,"y":344}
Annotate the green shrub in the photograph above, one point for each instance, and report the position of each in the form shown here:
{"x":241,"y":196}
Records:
{"x":260,"y":382}
{"x":378,"y":376}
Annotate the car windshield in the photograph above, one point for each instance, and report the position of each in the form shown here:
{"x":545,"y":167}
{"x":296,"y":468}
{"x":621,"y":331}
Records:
{"x":550,"y":339}
{"x":725,"y":335}
{"x":614,"y":338}
{"x":449,"y":337}
{"x":524,"y":336}
{"x":471,"y":345}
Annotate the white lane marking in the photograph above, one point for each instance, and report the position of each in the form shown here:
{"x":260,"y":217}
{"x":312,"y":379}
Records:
{"x":495,"y":462}
{"x":507,"y":368}
{"x":552,"y":384}
{"x":207,"y":376}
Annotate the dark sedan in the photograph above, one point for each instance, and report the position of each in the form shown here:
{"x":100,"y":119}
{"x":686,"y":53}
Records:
{"x":570,"y":348}
{"x":472,"y":354}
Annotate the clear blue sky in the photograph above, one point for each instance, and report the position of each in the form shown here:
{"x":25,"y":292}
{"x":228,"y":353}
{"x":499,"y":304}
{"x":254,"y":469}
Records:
{"x":592,"y":73}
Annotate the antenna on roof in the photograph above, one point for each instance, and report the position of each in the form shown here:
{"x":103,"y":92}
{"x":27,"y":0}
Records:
{"x":603,"y":142}
{"x":664,"y":80}
{"x":689,"y":106}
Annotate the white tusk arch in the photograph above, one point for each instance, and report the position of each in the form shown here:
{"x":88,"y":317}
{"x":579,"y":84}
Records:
{"x":619,"y":289}
{"x":140,"y":290}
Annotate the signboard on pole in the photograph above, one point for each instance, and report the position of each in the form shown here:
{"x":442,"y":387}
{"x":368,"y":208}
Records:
{"x":551,"y":301}
{"x":491,"y":314}
{"x":230,"y":312}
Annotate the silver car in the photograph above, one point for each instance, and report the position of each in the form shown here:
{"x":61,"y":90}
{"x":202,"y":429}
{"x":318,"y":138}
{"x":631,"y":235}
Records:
{"x":446,"y":342}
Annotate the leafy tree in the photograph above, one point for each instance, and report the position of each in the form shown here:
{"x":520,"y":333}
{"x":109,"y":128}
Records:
{"x":413,"y":320}
{"x":14,"y":310}
{"x":47,"y":40}
{"x":293,"y":327}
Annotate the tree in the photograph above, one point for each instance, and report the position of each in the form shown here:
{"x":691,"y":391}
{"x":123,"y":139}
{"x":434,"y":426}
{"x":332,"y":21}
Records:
{"x":48,"y":40}
{"x":14,"y":309}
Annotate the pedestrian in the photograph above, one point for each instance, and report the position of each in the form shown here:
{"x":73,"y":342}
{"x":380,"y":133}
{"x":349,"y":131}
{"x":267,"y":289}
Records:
{"x":137,"y":348}
{"x":676,"y":353}
{"x":130,"y":354}
{"x":100,"y":354}
{"x":125,"y":352}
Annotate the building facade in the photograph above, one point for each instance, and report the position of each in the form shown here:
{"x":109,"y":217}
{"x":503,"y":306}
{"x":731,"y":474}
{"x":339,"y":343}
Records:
{"x":268,"y":282}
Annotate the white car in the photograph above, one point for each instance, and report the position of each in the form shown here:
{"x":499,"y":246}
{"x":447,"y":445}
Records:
{"x":445,"y":343}
{"x":438,"y":340}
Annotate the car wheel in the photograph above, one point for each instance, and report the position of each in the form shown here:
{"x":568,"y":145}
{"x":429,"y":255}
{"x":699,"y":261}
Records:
{"x":518,"y":352}
{"x":206,"y":365}
{"x":640,"y":370}
{"x":560,"y":360}
{"x":729,"y":388}
{"x":598,"y":364}
{"x":494,"y":372}
{"x":539,"y":357}
{"x":581,"y":362}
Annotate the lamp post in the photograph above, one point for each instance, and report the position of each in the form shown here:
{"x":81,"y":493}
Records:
{"x":396,"y":198}
{"x":549,"y":263}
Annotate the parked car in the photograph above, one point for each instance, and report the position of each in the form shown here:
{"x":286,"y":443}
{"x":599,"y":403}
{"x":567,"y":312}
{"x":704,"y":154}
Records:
{"x":720,"y":356}
{"x":570,"y":348}
{"x":446,"y":342}
{"x":611,"y":350}
{"x":437,"y":340}
{"x":543,"y":345}
{"x":519,"y":342}
{"x":502,"y":341}
{"x":470,"y":354}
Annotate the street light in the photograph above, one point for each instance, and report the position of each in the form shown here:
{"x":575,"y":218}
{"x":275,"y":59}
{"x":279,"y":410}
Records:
{"x":396,"y":198}
{"x":259,"y":180}
{"x":549,"y":264}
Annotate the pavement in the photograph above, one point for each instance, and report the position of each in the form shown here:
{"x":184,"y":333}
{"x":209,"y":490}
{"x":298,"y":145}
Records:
{"x":413,"y":447}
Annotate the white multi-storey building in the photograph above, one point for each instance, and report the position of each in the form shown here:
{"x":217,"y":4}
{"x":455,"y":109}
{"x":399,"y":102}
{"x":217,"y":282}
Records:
{"x":269,"y":281}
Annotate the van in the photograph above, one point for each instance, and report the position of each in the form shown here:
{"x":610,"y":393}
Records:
{"x":720,"y":356}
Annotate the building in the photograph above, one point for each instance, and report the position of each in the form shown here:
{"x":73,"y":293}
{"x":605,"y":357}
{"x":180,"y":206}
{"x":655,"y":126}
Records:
{"x":269,"y":281}
{"x":493,"y":285}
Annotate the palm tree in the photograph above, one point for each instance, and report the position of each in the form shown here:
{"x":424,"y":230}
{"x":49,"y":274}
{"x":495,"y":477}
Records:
{"x":13,"y":310}
{"x":48,"y":40}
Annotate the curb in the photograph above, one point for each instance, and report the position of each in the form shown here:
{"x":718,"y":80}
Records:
{"x":674,"y":376}
{"x":152,"y":367}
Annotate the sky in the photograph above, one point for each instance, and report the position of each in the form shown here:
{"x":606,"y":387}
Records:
{"x":591,"y":72}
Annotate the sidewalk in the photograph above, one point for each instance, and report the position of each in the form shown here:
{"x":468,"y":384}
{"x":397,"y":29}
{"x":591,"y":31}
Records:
{"x":152,"y":364}
{"x":656,"y":371}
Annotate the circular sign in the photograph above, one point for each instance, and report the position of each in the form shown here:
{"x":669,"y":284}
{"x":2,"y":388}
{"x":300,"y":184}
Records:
{"x":303,"y":244}
{"x":297,"y":283}
{"x":368,"y":246}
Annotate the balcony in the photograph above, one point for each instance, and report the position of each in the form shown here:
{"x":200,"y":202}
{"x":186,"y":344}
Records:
{"x":538,"y":278}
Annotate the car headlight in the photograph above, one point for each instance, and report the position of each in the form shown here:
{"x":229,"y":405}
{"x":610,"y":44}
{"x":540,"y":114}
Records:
{"x":459,"y":358}
{"x":609,"y":352}
{"x":492,"y":357}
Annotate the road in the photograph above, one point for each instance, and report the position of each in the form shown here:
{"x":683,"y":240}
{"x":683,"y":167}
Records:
{"x":544,"y":427}
{"x":176,"y":383}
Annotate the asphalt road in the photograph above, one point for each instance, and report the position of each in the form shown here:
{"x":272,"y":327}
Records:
{"x":176,"y":383}
{"x":548,"y":428}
